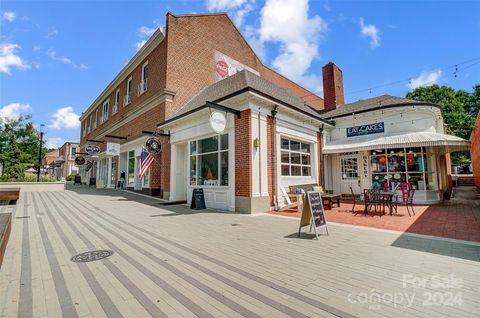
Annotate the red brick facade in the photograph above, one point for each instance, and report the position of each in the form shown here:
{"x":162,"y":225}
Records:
{"x":183,"y":64}
{"x":475,"y":151}
{"x":243,"y":155}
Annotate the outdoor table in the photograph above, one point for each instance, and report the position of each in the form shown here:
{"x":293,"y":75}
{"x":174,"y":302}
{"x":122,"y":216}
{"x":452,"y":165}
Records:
{"x":388,"y":198}
{"x":330,"y":199}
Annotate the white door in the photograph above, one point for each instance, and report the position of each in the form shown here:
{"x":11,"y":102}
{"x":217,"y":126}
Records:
{"x":350,"y":174}
{"x":180,"y":172}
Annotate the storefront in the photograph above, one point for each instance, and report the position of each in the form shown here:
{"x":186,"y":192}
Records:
{"x":386,"y":141}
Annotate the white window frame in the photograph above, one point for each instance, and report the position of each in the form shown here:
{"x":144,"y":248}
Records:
{"x":105,"y":110}
{"x":127,"y":99}
{"x":290,"y":164}
{"x":96,"y":119}
{"x":147,"y":174}
{"x":117,"y":101}
{"x":90,"y":124}
{"x":84,"y":128}
{"x":348,"y":168}
{"x":143,"y":85}
{"x":219,"y":153}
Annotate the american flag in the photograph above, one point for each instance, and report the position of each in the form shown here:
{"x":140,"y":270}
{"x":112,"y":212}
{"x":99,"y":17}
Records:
{"x":146,"y":161}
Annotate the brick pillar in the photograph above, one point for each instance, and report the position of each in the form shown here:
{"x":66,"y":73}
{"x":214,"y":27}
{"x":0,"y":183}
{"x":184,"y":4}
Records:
{"x":165,"y":168}
{"x":243,"y":155}
{"x":155,"y":176}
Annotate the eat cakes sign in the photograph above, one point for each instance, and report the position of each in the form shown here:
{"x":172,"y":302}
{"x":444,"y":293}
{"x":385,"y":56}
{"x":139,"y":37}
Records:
{"x":367,"y":129}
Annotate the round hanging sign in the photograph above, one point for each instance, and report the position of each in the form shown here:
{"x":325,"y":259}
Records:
{"x":92,"y":149}
{"x":80,"y":161}
{"x":153,"y":145}
{"x":218,"y":121}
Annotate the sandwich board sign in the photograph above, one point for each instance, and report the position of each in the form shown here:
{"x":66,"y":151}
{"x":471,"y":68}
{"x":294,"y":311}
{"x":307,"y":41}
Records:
{"x":198,"y":199}
{"x":313,"y":213}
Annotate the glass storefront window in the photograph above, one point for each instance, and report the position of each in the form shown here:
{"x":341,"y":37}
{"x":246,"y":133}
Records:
{"x":146,"y":179}
{"x":209,"y":161}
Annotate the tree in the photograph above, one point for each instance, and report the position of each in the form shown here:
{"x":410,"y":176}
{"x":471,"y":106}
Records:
{"x":19,"y":142}
{"x":460,"y":109}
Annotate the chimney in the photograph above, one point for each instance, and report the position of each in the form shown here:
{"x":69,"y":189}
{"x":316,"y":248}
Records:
{"x":332,"y":86}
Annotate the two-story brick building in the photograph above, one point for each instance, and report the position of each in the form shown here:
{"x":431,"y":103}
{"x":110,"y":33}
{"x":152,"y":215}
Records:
{"x":64,"y":164}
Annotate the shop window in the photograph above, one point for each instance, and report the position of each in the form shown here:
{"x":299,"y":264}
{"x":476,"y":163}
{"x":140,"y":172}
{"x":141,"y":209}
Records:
{"x":392,"y":166}
{"x":131,"y":168}
{"x":349,"y":168}
{"x":209,"y":161}
{"x":146,"y":179}
{"x":295,"y":158}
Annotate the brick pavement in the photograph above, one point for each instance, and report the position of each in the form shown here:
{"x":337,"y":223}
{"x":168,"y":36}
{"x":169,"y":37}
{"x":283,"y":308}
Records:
{"x":170,"y":261}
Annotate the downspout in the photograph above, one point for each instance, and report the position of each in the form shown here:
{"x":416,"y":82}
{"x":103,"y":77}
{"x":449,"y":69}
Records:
{"x":274,"y":158}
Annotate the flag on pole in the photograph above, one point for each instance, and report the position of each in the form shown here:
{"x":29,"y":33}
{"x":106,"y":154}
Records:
{"x":146,"y":161}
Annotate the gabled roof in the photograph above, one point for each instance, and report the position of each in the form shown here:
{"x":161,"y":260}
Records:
{"x":238,"y":83}
{"x":370,"y":104}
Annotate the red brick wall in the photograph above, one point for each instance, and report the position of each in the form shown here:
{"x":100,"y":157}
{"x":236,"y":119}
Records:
{"x":475,"y":151}
{"x":243,"y":155}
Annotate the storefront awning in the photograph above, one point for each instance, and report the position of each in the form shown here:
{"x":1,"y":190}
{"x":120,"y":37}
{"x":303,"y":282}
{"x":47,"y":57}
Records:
{"x":448,"y":143}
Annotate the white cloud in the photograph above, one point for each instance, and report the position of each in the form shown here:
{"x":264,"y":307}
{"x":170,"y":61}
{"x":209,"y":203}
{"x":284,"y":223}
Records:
{"x":145,"y":31}
{"x":51,"y":32}
{"x":53,"y":142}
{"x":65,"y":118}
{"x":8,"y":16}
{"x":426,"y":78}
{"x":65,"y":60}
{"x":138,"y":45}
{"x":288,"y":24}
{"x":8,"y":58}
{"x":13,"y":110}
{"x":370,"y":31}
{"x":237,"y":9}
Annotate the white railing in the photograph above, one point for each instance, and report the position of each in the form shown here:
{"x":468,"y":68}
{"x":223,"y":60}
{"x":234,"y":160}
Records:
{"x":142,"y":87}
{"x":127,"y":99}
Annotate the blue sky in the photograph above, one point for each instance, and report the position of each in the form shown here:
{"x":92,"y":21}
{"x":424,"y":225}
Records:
{"x":57,"y":56}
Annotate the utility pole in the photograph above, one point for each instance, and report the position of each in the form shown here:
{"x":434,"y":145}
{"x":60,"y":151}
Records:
{"x":40,"y":152}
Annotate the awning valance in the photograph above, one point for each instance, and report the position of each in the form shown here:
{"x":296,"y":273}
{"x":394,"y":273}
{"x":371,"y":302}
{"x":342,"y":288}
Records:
{"x":449,"y":143}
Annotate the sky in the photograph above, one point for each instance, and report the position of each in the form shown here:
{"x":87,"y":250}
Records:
{"x":57,"y":56}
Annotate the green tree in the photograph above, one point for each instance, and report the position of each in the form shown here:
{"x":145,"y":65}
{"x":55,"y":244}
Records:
{"x":19,"y":143}
{"x":460,"y":109}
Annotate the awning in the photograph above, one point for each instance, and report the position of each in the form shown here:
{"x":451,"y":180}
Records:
{"x":448,"y":143}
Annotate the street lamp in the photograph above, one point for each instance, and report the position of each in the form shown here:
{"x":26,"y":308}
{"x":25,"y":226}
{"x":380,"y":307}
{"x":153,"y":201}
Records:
{"x":40,"y":152}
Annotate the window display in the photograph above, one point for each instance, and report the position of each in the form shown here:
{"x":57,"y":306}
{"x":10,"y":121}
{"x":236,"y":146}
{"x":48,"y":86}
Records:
{"x":209,"y":161}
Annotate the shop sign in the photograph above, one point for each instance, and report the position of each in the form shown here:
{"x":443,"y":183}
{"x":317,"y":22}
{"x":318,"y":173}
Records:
{"x":313,"y":213}
{"x":198,"y":199}
{"x":79,"y":161}
{"x":368,"y":129}
{"x":153,"y":146}
{"x":113,"y":149}
{"x":92,"y":149}
{"x":225,"y":66}
{"x":218,"y":121}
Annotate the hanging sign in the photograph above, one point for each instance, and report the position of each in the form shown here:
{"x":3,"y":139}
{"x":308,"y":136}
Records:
{"x":92,"y":150}
{"x":218,"y":121}
{"x":198,"y":200}
{"x":153,"y":146}
{"x":313,"y":213}
{"x":368,"y":129}
{"x":79,"y":161}
{"x":113,"y":149}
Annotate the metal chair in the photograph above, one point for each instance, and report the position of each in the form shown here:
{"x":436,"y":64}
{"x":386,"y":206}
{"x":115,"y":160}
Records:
{"x":409,"y":201}
{"x":354,"y":200}
{"x":373,"y":197}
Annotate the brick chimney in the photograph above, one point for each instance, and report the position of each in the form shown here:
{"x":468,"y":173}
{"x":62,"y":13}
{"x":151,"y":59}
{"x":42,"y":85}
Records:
{"x":332,"y":86}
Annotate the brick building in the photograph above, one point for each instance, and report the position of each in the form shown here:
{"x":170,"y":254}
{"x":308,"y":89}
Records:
{"x":64,"y":164}
{"x":48,"y":161}
{"x":227,"y":123}
{"x":475,"y":151}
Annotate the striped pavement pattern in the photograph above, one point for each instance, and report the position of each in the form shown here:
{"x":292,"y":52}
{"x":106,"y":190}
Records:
{"x":175,"y":263}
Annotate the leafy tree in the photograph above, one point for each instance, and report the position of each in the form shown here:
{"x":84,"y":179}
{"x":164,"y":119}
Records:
{"x":19,"y":142}
{"x":460,"y":109}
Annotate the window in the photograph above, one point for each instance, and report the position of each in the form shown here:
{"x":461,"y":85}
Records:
{"x":105,"y":111}
{"x":209,"y":161}
{"x":84,"y":133}
{"x":89,"y":124}
{"x":295,"y":158}
{"x":96,"y":119}
{"x":117,"y":101}
{"x":142,"y":87}
{"x":391,"y":166}
{"x":146,"y":179}
{"x":128,"y":96}
{"x":74,"y":151}
{"x":131,"y":168}
{"x":349,"y":168}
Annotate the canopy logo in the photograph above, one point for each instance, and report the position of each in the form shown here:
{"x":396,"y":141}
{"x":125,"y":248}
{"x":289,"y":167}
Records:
{"x":368,"y":129}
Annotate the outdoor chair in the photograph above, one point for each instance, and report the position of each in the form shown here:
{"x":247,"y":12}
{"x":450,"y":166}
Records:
{"x":409,"y":201}
{"x":373,"y":198}
{"x":354,"y":199}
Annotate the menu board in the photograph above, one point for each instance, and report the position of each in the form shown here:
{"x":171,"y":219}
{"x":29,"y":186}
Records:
{"x":198,"y":200}
{"x":313,"y":213}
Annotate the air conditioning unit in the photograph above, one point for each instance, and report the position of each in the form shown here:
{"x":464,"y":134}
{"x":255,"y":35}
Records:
{"x":127,"y":99}
{"x":142,"y":87}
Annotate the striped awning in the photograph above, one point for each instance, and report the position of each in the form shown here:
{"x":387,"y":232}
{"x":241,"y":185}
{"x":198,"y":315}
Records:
{"x":448,"y":143}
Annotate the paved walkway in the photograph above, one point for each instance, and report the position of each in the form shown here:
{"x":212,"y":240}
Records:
{"x":174,"y":262}
{"x":458,"y":218}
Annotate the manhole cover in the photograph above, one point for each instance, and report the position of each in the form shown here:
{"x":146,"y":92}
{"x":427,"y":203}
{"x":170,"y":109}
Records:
{"x":91,"y":256}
